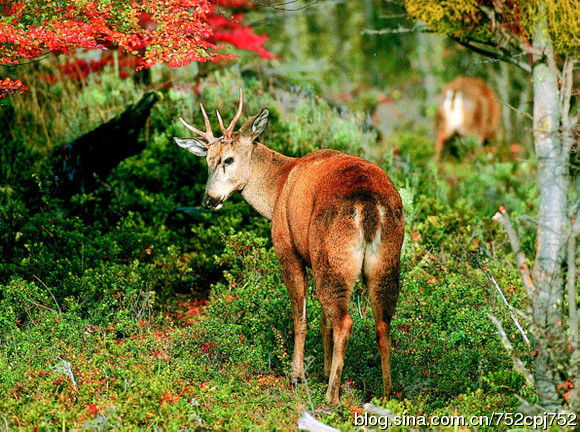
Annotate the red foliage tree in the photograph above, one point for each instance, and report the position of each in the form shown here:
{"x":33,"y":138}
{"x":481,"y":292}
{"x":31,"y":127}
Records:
{"x":233,"y":32}
{"x":174,"y":32}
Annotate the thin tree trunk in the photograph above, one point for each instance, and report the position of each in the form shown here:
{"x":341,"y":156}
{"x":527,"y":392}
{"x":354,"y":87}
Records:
{"x":503,"y":88}
{"x":553,"y":220}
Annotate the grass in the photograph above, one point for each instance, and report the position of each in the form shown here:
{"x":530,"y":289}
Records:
{"x":62,"y":373}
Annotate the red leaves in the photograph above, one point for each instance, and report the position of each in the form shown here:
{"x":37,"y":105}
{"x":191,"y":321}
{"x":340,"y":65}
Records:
{"x":8,"y":85}
{"x":245,"y":38}
{"x":177,"y":36}
{"x":168,"y":397}
{"x":15,"y":394}
{"x":233,"y":32}
{"x":160,"y":354}
{"x":174,"y":32}
{"x":206,"y":348}
{"x":189,"y":310}
{"x":416,"y":236}
{"x":92,"y":408}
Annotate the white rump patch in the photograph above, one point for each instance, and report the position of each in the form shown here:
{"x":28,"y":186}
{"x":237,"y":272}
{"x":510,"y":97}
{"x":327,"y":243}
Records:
{"x":371,"y":253}
{"x":359,"y":248}
{"x":367,"y":254}
{"x":453,"y":110}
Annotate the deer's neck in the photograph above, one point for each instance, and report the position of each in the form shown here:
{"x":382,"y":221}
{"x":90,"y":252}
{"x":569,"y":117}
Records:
{"x":267,"y":168}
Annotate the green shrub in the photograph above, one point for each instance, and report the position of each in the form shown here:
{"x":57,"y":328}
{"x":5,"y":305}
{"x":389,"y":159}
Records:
{"x":252,"y":302}
{"x":444,"y":343}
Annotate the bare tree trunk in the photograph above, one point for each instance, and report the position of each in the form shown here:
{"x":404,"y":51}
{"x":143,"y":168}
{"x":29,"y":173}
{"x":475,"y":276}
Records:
{"x":503,"y":86}
{"x":553,"y":221}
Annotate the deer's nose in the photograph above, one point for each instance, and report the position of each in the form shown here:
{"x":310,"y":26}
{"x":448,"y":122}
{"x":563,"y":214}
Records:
{"x":210,"y":203}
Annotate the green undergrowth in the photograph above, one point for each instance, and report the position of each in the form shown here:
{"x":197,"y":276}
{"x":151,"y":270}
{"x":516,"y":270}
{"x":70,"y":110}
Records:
{"x":224,"y":364}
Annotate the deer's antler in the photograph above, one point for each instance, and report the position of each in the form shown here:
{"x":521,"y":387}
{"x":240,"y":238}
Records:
{"x":228,"y":132}
{"x":208,"y":134}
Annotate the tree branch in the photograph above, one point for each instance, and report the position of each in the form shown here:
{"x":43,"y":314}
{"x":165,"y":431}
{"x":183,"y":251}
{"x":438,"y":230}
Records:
{"x":415,"y":29}
{"x":518,"y":110}
{"x":497,"y":53}
{"x":48,"y":289}
{"x":510,"y":349}
{"x":36,"y":59}
{"x":523,"y":45}
{"x":282,"y":6}
{"x":503,"y":218}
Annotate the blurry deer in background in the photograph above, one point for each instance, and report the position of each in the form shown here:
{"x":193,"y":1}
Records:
{"x":466,"y":107}
{"x":338,"y":214}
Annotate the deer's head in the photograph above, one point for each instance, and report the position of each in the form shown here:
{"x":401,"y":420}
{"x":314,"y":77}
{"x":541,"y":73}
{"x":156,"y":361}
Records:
{"x":228,"y":157}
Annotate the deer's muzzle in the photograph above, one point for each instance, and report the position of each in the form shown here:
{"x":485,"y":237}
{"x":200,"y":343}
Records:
{"x":211,"y":203}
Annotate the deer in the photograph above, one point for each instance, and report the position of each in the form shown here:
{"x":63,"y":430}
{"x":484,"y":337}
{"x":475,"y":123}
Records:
{"x":467,"y":107}
{"x":337,"y":214}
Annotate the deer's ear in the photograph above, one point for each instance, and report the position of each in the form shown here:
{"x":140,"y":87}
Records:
{"x":259,"y":123}
{"x":197,"y":147}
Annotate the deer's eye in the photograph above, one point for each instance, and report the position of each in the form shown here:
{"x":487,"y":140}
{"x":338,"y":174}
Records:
{"x":228,"y":161}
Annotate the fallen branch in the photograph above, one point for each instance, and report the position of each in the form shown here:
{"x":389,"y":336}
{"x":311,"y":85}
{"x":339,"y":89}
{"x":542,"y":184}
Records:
{"x":510,"y":349}
{"x":84,"y":164}
{"x":503,"y":218}
{"x":514,"y":319}
{"x":65,"y":368}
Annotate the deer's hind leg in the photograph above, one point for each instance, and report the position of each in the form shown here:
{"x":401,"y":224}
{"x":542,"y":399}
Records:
{"x":382,"y":282}
{"x":333,"y":291}
{"x":335,"y":268}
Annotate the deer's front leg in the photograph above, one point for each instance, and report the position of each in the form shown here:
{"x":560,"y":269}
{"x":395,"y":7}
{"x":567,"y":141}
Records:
{"x":295,"y":280}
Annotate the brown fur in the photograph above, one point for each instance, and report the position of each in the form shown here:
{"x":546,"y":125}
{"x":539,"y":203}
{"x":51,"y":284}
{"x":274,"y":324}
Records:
{"x":481,"y":112}
{"x":339,"y":215}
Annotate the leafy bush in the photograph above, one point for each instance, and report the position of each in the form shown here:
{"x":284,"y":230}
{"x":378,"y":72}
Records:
{"x":252,"y":302}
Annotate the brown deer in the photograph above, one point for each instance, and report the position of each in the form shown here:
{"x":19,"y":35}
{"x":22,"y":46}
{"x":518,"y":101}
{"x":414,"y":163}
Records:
{"x":466,"y":107}
{"x":338,"y":214}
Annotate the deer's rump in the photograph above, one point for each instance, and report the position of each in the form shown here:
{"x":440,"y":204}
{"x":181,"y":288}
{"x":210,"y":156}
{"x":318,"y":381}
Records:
{"x":344,"y":200}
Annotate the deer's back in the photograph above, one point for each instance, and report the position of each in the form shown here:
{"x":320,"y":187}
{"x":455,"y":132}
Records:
{"x":330,"y":189}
